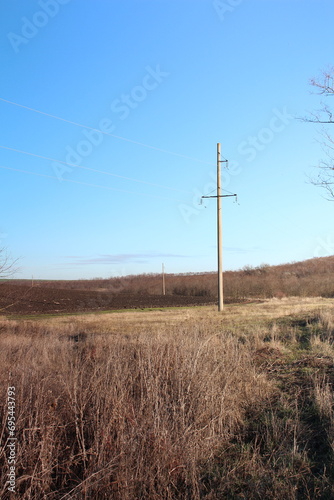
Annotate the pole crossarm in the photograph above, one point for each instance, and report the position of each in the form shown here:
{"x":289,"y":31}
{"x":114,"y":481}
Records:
{"x":220,"y":196}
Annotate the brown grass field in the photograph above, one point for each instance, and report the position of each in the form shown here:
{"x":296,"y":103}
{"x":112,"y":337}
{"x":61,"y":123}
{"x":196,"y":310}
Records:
{"x":179,"y":403}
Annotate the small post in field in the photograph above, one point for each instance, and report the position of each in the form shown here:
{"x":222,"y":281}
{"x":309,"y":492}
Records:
{"x":163,"y":280}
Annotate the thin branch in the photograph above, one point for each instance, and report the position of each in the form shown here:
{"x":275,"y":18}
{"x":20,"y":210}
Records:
{"x":7,"y":265}
{"x":324,"y":116}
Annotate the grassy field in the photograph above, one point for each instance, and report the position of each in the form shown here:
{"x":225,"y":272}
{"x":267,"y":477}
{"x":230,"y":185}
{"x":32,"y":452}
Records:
{"x":173,"y":404}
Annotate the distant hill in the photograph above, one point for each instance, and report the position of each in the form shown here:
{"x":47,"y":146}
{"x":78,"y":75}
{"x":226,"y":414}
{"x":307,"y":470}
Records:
{"x":313,"y":277}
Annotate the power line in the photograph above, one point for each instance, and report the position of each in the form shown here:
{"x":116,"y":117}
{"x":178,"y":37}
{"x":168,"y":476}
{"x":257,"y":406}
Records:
{"x":100,"y":172}
{"x":210,"y":192}
{"x":105,"y":133}
{"x":92,"y":169}
{"x":90,"y":185}
{"x":230,"y":192}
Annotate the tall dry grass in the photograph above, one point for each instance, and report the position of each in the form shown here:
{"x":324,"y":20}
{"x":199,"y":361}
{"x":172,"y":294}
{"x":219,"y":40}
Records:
{"x":123,"y":416}
{"x":172,"y":405}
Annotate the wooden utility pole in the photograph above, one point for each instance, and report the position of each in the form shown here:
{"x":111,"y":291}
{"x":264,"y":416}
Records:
{"x":219,"y":234}
{"x":219,"y":196}
{"x":163,"y":280}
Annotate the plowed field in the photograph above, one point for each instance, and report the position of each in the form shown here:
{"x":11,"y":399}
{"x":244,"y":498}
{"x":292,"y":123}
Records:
{"x":19,"y":299}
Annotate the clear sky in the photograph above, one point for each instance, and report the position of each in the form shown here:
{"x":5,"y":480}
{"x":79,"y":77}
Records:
{"x":145,"y":89}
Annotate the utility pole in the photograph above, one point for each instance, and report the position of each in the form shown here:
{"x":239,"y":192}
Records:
{"x":219,"y":196}
{"x":163,"y":280}
{"x":219,"y":235}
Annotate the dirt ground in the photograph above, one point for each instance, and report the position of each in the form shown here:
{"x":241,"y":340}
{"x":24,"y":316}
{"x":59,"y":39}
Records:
{"x":20,"y":299}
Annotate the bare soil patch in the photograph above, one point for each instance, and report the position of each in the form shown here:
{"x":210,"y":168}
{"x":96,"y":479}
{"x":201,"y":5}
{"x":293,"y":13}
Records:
{"x":20,"y":299}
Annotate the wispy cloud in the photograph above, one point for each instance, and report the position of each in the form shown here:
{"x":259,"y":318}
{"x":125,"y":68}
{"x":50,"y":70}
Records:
{"x":125,"y":258}
{"x":242,"y":250}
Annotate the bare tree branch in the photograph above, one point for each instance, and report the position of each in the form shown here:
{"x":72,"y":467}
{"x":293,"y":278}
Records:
{"x":326,"y":85}
{"x":8,"y":266}
{"x":324,"y":116}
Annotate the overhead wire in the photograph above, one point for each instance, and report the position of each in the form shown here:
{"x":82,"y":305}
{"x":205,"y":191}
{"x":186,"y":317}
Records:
{"x":229,"y":192}
{"x":97,"y":171}
{"x":103,"y":132}
{"x":91,"y":169}
{"x":89,"y":184}
{"x":207,"y":194}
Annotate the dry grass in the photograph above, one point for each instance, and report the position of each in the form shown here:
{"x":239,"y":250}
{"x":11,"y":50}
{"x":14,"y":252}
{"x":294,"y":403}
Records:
{"x":179,"y":404}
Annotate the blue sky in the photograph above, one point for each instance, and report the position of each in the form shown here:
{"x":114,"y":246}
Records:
{"x":145,"y":90}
